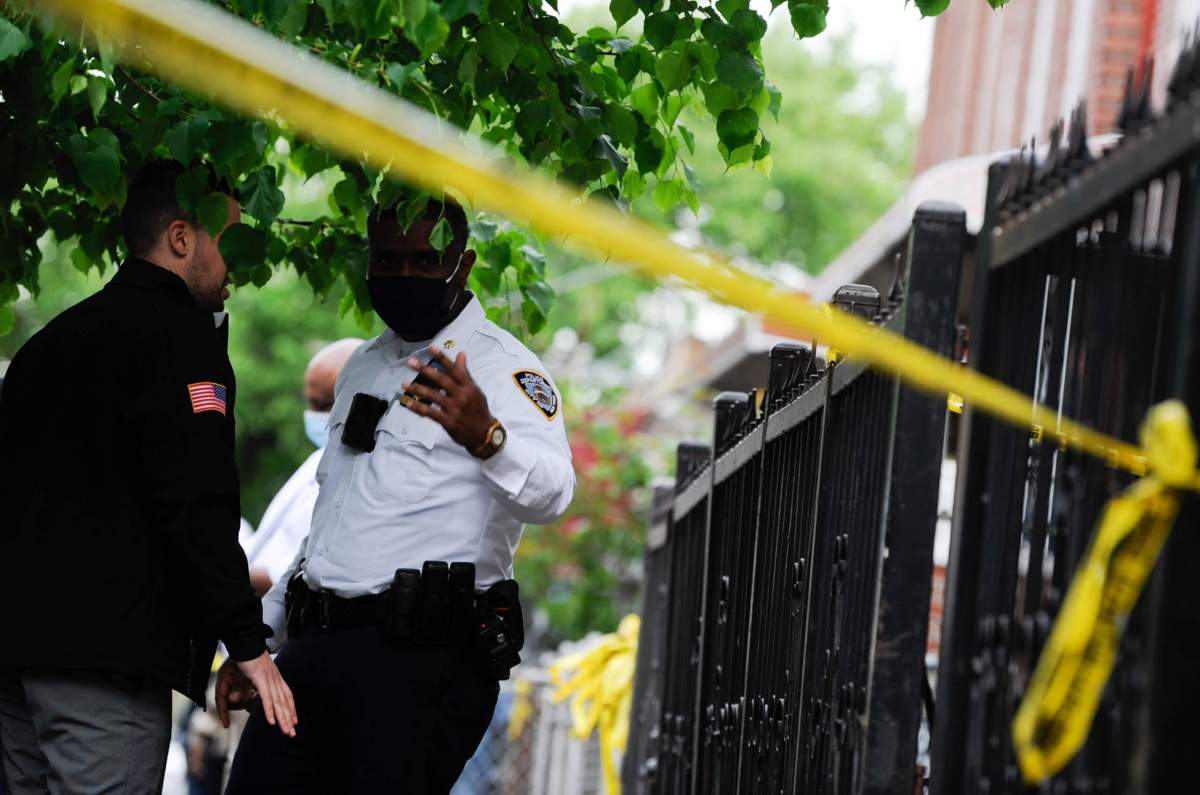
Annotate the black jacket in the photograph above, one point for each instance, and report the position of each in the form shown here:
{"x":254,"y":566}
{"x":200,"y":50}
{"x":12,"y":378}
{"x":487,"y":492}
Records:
{"x":120,"y":508}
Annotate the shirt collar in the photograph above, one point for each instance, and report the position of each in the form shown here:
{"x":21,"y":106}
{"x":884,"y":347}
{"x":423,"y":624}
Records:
{"x":451,"y":338}
{"x":137,"y":271}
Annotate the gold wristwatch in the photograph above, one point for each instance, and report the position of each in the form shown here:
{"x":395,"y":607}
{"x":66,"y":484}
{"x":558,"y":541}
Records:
{"x":492,"y":441}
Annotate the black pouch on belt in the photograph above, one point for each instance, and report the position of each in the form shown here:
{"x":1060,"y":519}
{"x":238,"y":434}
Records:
{"x":502,"y":628}
{"x":462,"y":603}
{"x":295,"y":601}
{"x":402,"y":604}
{"x":433,"y":605}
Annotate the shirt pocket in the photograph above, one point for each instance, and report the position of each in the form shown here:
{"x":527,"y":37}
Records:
{"x":333,"y":447}
{"x":401,"y":465}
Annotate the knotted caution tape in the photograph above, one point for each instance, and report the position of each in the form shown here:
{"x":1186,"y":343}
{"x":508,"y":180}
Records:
{"x":601,"y":680}
{"x":1053,"y":720}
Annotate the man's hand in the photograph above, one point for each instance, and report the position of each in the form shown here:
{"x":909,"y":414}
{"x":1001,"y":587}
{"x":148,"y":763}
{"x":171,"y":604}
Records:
{"x":457,"y":402}
{"x":239,"y":682}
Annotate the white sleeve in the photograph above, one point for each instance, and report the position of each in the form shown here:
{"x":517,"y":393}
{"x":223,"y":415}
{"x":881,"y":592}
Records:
{"x":531,"y":475}
{"x":273,"y":606}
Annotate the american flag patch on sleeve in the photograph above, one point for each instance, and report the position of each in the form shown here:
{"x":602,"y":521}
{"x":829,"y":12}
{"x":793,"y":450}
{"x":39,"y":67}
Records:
{"x":207,"y":396}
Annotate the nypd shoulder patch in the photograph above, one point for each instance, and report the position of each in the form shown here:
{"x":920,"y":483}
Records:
{"x":537,"y":388}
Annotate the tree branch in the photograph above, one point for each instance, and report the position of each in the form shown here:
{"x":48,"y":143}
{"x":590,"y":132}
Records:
{"x":138,"y":85}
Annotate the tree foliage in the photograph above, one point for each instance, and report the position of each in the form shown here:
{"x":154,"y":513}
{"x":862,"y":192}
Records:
{"x":598,"y":108}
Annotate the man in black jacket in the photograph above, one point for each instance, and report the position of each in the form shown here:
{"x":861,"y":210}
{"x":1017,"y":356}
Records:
{"x":119,"y":561}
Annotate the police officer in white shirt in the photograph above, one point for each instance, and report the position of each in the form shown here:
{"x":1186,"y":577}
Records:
{"x":271,"y":548}
{"x":399,"y":614}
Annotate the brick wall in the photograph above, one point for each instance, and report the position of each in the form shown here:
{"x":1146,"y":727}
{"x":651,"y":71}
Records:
{"x":997,"y":78}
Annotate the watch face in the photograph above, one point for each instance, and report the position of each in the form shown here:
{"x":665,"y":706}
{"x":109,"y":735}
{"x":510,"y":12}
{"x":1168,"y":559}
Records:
{"x":498,"y":437}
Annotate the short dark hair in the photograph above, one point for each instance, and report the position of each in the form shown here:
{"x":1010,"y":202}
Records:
{"x":435,"y":209}
{"x":151,"y":204}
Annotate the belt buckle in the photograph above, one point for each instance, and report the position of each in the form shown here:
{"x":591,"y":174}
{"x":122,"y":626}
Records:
{"x":324,"y":609}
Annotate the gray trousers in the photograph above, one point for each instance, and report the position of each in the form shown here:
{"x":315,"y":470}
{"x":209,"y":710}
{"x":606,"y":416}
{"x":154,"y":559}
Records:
{"x":83,"y":732}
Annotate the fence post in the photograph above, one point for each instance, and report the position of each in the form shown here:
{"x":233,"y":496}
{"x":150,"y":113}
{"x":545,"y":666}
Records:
{"x":935,"y":255}
{"x":1167,"y":718}
{"x":640,"y":765}
{"x":948,"y":768}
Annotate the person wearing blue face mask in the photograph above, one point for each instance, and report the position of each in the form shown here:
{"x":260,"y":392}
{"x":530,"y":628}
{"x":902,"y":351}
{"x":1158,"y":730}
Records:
{"x":271,"y":548}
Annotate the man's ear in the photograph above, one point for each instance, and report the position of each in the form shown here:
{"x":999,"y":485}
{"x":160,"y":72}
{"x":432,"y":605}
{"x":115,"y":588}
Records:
{"x":181,"y":238}
{"x":468,"y":261}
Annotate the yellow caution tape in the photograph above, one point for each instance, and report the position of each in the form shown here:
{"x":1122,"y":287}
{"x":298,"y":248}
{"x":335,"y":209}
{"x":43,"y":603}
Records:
{"x":601,"y":680}
{"x":522,"y":708}
{"x":1056,"y":713}
{"x":205,"y":49}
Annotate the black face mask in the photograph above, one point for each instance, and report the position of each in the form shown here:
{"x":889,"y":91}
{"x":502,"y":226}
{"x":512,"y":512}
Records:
{"x":414,"y":307}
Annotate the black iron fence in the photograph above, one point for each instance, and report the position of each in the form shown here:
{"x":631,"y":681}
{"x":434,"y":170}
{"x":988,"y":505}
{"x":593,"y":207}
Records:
{"x":788,"y":586}
{"x":1085,"y":294}
{"x":786,"y":625}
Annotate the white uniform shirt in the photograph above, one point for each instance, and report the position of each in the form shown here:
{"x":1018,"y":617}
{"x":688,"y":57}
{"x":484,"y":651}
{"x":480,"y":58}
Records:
{"x":287,"y":520}
{"x":420,"y":495}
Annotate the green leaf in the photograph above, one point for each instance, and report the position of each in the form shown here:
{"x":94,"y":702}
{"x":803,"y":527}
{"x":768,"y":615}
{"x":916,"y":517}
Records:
{"x":740,"y":72}
{"x":931,"y":8}
{"x":776,"y":99}
{"x":190,"y":187}
{"x":243,"y":247}
{"x":98,"y":160}
{"x":808,"y":18}
{"x":541,"y":294}
{"x":622,"y":11}
{"x":468,"y":66}
{"x":667,"y":194}
{"x":81,"y":260}
{"x":660,"y":29}
{"x":498,"y":45}
{"x":644,"y":99}
{"x":414,"y":11}
{"x":413,"y":209}
{"x":749,"y":24}
{"x":996,"y":4}
{"x":261,"y":197}
{"x":398,"y":74}
{"x":346,"y":196}
{"x":730,"y":7}
{"x":293,"y":19}
{"x":97,"y":95}
{"x":499,"y":255}
{"x":212,"y":211}
{"x":311,"y":160}
{"x":431,"y":34}
{"x":719,"y":97}
{"x":236,"y":146}
{"x":738,"y":127}
{"x":688,"y":138}
{"x":622,"y":123}
{"x":441,"y":235}
{"x":61,"y":80}
{"x":13,"y":40}
{"x":604,"y":148}
{"x":649,"y":152}
{"x":535,"y":321}
{"x":184,"y":139}
{"x":454,"y":10}
{"x":8,"y":319}
{"x":674,"y":69}
{"x":721,"y":35}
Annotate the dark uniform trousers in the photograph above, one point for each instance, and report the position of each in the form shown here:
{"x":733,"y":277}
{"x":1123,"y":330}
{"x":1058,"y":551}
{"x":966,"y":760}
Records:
{"x":373,"y":718}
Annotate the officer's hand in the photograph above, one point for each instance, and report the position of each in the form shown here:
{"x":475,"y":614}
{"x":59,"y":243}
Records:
{"x":274,"y":693}
{"x":234,"y":690}
{"x":458,"y":404}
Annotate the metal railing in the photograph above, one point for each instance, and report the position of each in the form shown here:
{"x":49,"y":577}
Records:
{"x":795,"y":558}
{"x":1085,"y":296}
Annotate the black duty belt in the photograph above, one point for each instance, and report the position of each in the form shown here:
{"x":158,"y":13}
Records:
{"x":436,"y":606}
